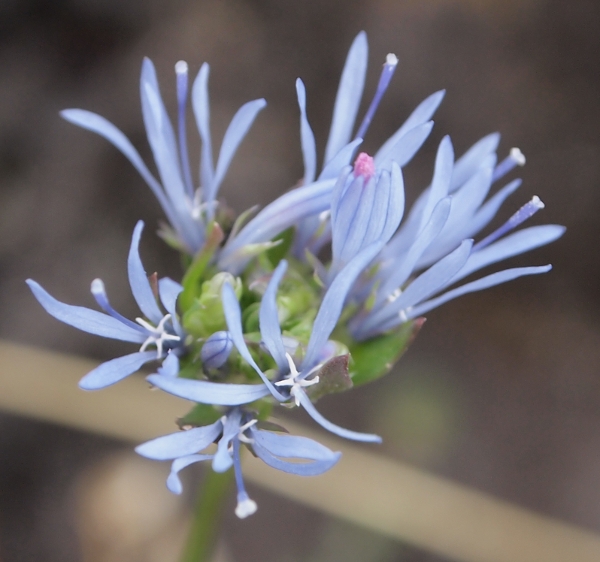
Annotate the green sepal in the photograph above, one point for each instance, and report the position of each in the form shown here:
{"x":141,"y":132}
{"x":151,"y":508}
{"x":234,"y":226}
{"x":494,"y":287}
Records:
{"x":333,"y":377}
{"x":284,"y":243}
{"x":198,"y":416}
{"x":193,"y":276}
{"x":375,"y":357}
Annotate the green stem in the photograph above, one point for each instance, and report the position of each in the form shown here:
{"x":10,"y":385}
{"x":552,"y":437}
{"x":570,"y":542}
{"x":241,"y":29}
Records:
{"x":207,"y":516}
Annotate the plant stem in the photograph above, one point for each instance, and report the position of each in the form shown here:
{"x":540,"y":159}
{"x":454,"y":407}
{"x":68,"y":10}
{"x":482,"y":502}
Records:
{"x":207,"y":516}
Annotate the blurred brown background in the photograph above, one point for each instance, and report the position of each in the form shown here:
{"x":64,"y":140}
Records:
{"x":501,"y":391}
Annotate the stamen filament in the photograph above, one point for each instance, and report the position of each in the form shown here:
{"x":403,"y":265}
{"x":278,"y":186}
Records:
{"x":515,"y":158}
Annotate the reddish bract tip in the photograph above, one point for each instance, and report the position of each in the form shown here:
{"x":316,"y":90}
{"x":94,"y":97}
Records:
{"x":364,"y":166}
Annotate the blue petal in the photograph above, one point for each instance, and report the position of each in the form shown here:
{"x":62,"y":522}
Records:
{"x":223,"y":459}
{"x":180,"y":444}
{"x":312,"y":468}
{"x":333,"y":302}
{"x":234,"y":135}
{"x":99,"y":125}
{"x":286,"y":211}
{"x":333,"y":168}
{"x":205,"y":392}
{"x":138,"y":279}
{"x":307,"y":138}
{"x":292,"y":446}
{"x":233,"y":317}
{"x":173,"y":481}
{"x":115,"y":370}
{"x":473,"y":159}
{"x":346,"y":433}
{"x":270,"y":330}
{"x":483,"y":283}
{"x":406,"y":147}
{"x":86,"y":319}
{"x":169,"y":290}
{"x":170,"y":366}
{"x":509,"y":246}
{"x":422,"y":113}
{"x":216,"y":349}
{"x":200,"y":104}
{"x":348,"y":96}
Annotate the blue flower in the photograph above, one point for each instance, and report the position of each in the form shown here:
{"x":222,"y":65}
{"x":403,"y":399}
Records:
{"x":157,"y":330}
{"x":188,"y":208}
{"x":238,"y":427}
{"x":432,"y":250}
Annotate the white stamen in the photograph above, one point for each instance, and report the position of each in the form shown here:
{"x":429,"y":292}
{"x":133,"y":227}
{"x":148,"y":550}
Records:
{"x":296,"y":384}
{"x":537,"y":202}
{"x":402,"y":315}
{"x":393,"y":296}
{"x":245,"y":508}
{"x":98,"y":287}
{"x":181,"y":67}
{"x":158,"y":336}
{"x":391,"y":59}
{"x":517,"y":156}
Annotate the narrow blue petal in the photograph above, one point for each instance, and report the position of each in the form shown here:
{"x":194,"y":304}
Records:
{"x":348,"y":96}
{"x":173,"y":481}
{"x":307,"y":138}
{"x":422,"y":113}
{"x":285,"y":211}
{"x":101,"y":126}
{"x":292,"y":446}
{"x":407,"y":146}
{"x":115,"y":370}
{"x":509,"y":246}
{"x":180,"y":444}
{"x":138,"y":279}
{"x":241,"y":122}
{"x":233,"y":317}
{"x":205,"y":392}
{"x":312,"y":468}
{"x":480,"y":284}
{"x":346,"y":433}
{"x":200,"y":104}
{"x":395,"y":210}
{"x":170,"y":366}
{"x":473,"y":160}
{"x":333,"y":302}
{"x":270,"y":330}
{"x":169,"y":290}
{"x":223,"y":459}
{"x":86,"y":319}
{"x":333,"y":168}
{"x":161,"y":136}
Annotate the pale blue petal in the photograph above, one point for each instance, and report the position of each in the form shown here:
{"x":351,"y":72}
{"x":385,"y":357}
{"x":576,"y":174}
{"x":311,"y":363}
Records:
{"x":205,"y":392}
{"x":509,"y":246}
{"x":233,"y":317}
{"x":406,"y":147}
{"x":422,"y":113}
{"x":241,"y":122}
{"x":270,"y":330}
{"x":180,"y":444}
{"x":333,"y":302}
{"x":170,"y":366}
{"x":348,"y":96}
{"x":216,"y":349}
{"x":483,"y":283}
{"x":138,"y":279}
{"x":169,"y":290}
{"x":307,"y":138}
{"x":223,"y":460}
{"x":473,"y":160}
{"x":346,"y":433}
{"x":86,"y":319}
{"x":200,"y":104}
{"x":333,"y":168}
{"x":291,"y":446}
{"x":173,"y":481}
{"x":115,"y":370}
{"x":99,"y":125}
{"x":286,"y":211}
{"x":312,"y":468}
